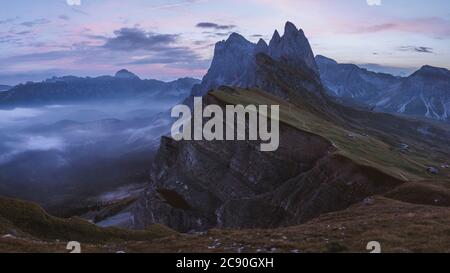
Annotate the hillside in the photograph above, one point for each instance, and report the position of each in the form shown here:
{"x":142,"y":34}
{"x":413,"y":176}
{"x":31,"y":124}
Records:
{"x":366,"y":143}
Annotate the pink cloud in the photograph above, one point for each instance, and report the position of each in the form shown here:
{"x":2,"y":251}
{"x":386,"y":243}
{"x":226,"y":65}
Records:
{"x":434,"y":27}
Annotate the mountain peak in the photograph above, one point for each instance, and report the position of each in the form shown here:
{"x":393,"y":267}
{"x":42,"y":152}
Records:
{"x":125,"y":74}
{"x":261,"y":47}
{"x":290,"y":28}
{"x":276,"y":38}
{"x":236,"y":37}
{"x":234,"y":42}
{"x":428,"y":70}
{"x":433,"y":69}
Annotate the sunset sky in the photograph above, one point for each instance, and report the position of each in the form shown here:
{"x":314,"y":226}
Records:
{"x":170,"y":39}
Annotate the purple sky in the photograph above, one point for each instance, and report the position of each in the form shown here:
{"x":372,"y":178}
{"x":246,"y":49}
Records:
{"x":170,"y":39}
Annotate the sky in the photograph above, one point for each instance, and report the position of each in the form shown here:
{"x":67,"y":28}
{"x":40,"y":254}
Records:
{"x":175,"y":38}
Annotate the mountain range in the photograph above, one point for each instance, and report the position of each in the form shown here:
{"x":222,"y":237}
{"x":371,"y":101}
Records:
{"x":70,"y":89}
{"x":425,"y":93}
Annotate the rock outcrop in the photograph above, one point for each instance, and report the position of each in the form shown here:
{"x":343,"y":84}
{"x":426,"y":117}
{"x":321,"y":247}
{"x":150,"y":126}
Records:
{"x":198,"y":185}
{"x":191,"y":181}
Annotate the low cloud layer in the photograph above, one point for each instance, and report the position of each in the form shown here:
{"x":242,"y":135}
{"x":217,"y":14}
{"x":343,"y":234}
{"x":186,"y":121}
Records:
{"x":14,"y":116}
{"x":42,"y":143}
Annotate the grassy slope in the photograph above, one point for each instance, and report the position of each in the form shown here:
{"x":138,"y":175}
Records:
{"x":363,"y":148}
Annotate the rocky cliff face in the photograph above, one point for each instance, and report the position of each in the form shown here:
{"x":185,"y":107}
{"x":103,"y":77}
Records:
{"x":197,"y":185}
{"x":192,"y":181}
{"x":192,"y":188}
{"x":332,"y":184}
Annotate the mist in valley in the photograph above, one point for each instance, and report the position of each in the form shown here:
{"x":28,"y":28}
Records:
{"x":69,"y":156}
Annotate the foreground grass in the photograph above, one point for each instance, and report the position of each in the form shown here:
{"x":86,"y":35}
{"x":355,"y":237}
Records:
{"x":30,"y":219}
{"x":398,"y":226}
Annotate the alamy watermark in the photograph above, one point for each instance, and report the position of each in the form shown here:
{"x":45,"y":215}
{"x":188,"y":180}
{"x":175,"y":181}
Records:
{"x":230,"y":126}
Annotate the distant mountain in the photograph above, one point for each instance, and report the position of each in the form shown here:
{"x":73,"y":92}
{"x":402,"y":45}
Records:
{"x":125,"y":74}
{"x":353,"y":82}
{"x":426,"y":93}
{"x":4,"y":87}
{"x":70,"y":89}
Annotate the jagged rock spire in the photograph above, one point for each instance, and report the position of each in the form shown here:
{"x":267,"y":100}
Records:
{"x":293,"y":46}
{"x":234,"y":61}
{"x":290,"y":29}
{"x":275,"y":39}
{"x":261,"y":47}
